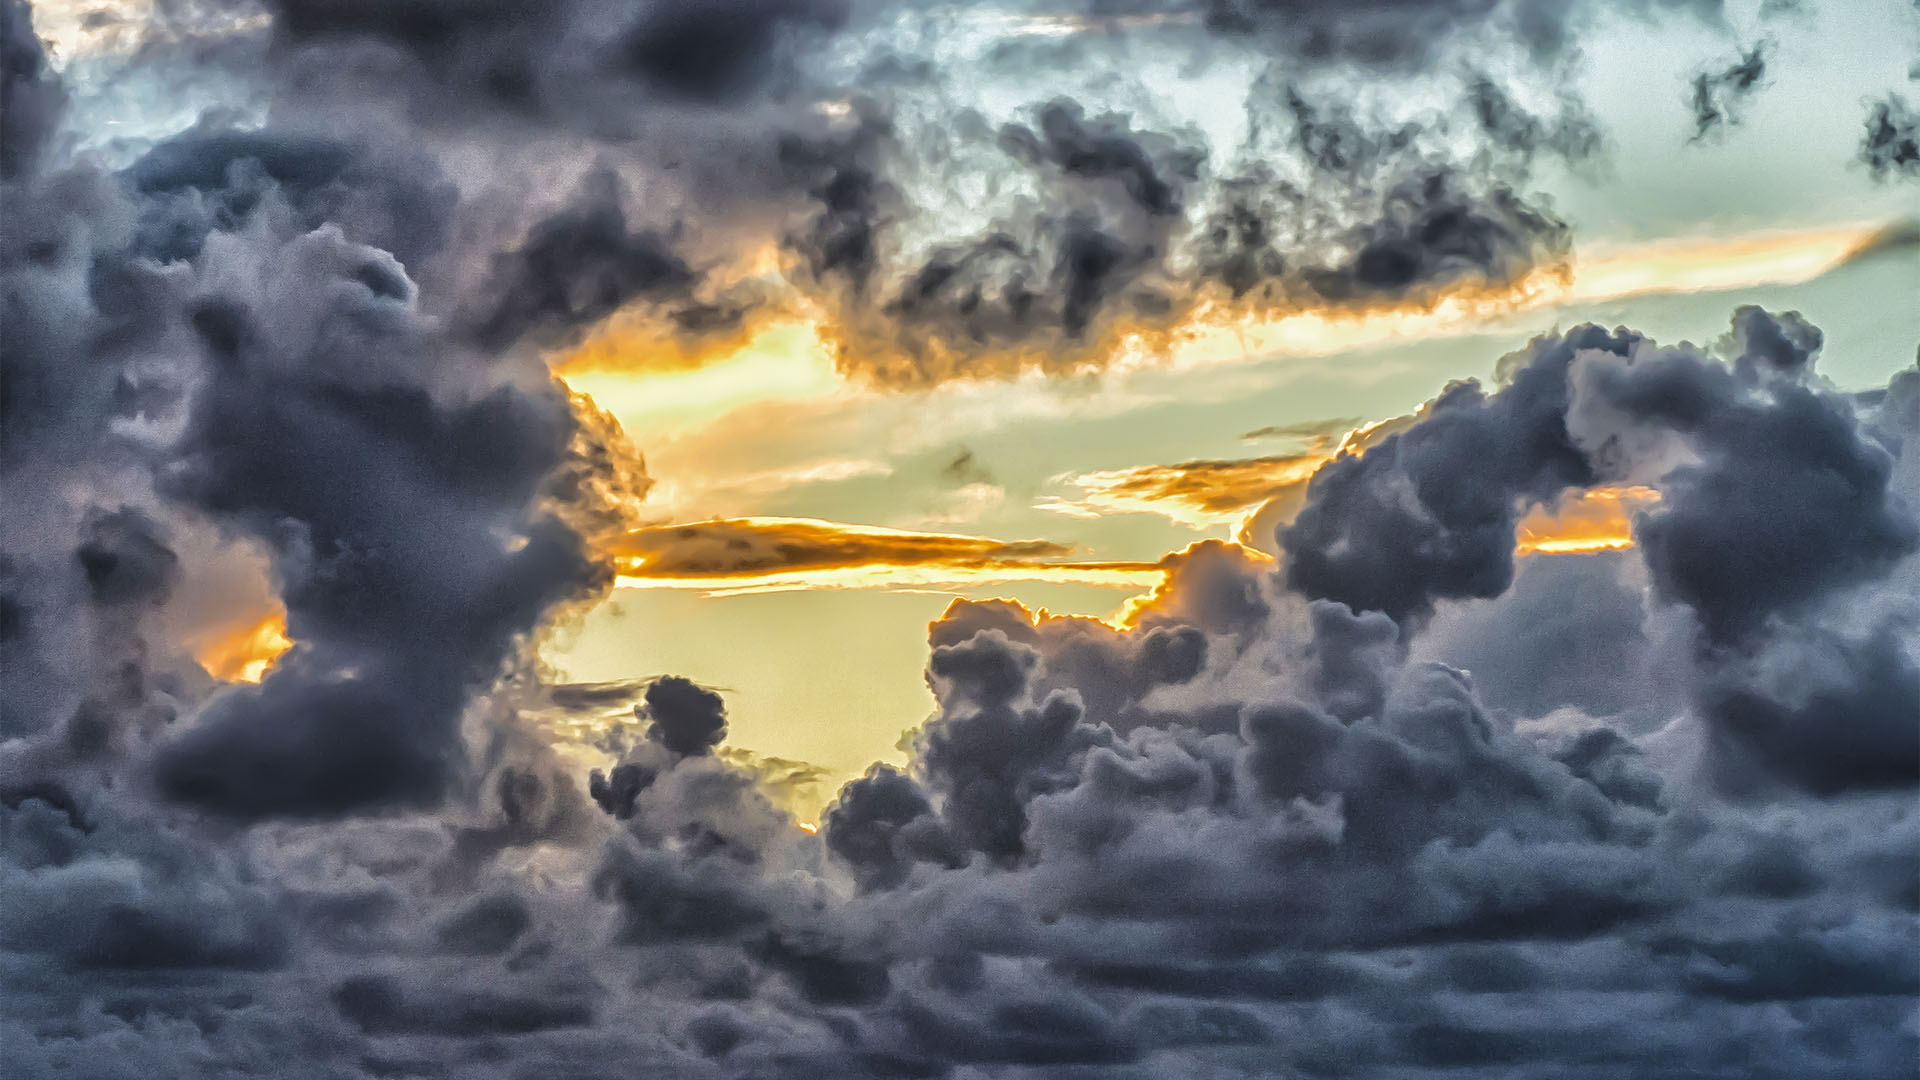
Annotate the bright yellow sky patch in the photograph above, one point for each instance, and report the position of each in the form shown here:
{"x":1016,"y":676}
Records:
{"x":1597,"y":520}
{"x":781,"y":360}
{"x":244,"y":651}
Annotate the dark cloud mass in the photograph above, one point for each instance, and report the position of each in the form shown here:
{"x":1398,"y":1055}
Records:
{"x":1407,"y":523}
{"x":745,"y":112}
{"x":1397,"y":804}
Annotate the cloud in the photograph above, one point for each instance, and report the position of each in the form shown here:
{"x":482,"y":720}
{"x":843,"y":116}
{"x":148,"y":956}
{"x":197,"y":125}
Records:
{"x":1199,"y":494}
{"x":1409,"y":523}
{"x":1719,"y":97}
{"x":1401,"y":525}
{"x":757,"y":138}
{"x":1890,"y":146}
{"x":1117,"y":262}
{"x":1268,"y":822}
{"x":790,"y":153}
{"x":756,"y":554}
{"x":1257,"y":496}
{"x":1256,"y":493}
{"x":271,"y":374}
{"x":1307,"y":429}
{"x":686,"y":719}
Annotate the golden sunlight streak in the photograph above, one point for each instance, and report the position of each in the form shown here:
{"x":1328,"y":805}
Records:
{"x":1715,"y":265}
{"x":732,"y":556}
{"x":647,"y":376}
{"x":244,"y":653}
{"x":1198,"y":494}
{"x":778,"y":360}
{"x":1209,"y":493}
{"x":1111,"y":575}
{"x":1710,"y":265}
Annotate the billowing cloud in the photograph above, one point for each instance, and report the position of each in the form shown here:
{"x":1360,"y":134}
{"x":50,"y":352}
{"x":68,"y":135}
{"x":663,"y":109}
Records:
{"x":760,"y":170}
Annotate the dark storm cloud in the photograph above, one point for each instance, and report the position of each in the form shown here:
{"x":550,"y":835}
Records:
{"x":1268,"y":823}
{"x":394,"y":625}
{"x":1758,"y":463}
{"x":1052,"y":276}
{"x":1769,"y":438}
{"x":685,"y":718}
{"x":1719,"y":98}
{"x":1141,"y":229}
{"x":1405,"y":523}
{"x":34,"y":98}
{"x":213,"y":177}
{"x":1431,"y":234}
{"x":736,"y":114}
{"x":401,"y":492}
{"x":378,"y":1006}
{"x":579,"y":266}
{"x":1589,"y":626}
{"x":1149,"y":168}
{"x":1410,"y":223}
{"x":1768,"y":728}
{"x":882,"y":824}
{"x":711,"y":52}
{"x":514,"y":54}
{"x":841,"y":172}
{"x":125,"y":560}
{"x":1398,"y":35}
{"x":1891,"y":145}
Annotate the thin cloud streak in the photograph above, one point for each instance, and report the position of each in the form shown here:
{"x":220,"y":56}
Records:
{"x":748,"y":555}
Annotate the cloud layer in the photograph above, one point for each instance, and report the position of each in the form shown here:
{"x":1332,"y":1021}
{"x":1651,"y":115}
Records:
{"x":1401,"y":803}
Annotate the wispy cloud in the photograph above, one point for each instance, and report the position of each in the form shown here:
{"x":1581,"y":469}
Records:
{"x":1204,"y":494}
{"x":741,"y":555}
{"x":1199,"y":494}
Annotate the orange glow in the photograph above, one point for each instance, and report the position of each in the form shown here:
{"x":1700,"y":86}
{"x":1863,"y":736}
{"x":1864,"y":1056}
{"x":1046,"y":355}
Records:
{"x":1205,"y":494}
{"x":640,"y":367}
{"x":777,"y":360}
{"x":1197,"y":494}
{"x":807,"y":827}
{"x":1687,"y":265}
{"x":1119,"y":575}
{"x":726,"y":557}
{"x":245,"y":653}
{"x":1714,"y":265}
{"x":1252,"y":563}
{"x":631,"y":342}
{"x":1598,"y":520}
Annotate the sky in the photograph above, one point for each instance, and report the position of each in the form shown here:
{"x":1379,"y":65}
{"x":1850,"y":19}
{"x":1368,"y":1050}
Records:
{"x":752,"y":538}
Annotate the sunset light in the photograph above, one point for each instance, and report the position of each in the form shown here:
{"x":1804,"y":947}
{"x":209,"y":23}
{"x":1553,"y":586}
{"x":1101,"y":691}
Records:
{"x":1040,"y":540}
